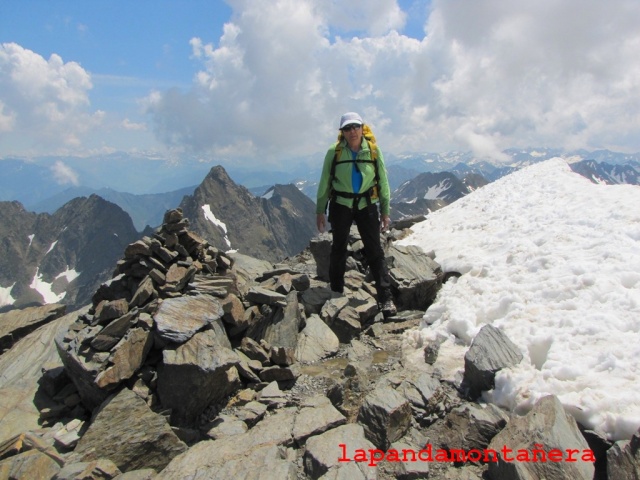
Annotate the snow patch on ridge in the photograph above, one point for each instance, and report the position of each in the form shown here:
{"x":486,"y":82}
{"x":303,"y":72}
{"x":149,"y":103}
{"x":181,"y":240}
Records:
{"x":5,"y":296}
{"x":208,"y":214}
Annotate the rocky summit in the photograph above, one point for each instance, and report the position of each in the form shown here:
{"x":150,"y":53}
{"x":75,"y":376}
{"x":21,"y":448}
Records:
{"x":195,"y":363}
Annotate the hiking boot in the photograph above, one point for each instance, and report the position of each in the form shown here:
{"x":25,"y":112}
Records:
{"x":388,"y":308}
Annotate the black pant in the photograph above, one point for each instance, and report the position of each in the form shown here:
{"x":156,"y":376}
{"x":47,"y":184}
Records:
{"x":368,"y":223}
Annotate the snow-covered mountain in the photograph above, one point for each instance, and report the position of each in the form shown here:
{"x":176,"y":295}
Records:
{"x":602,"y":172}
{"x":429,"y":191}
{"x":61,"y":257}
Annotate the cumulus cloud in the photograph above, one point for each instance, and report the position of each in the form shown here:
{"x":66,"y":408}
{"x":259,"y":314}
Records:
{"x":486,"y":75}
{"x":63,"y":174}
{"x":45,"y":101}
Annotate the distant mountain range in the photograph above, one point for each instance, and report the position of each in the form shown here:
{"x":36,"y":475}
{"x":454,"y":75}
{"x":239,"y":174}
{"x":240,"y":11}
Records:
{"x":145,"y":209}
{"x":608,"y":174}
{"x":43,"y":184}
{"x":436,"y":189}
{"x":58,"y":243}
{"x":63,"y":257}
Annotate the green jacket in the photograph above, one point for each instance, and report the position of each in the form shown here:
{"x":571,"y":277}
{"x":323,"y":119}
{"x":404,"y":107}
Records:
{"x":342,"y":178}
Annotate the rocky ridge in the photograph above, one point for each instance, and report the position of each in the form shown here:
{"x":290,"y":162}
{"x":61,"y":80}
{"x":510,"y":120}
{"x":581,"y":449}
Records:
{"x":195,"y":363}
{"x":272,"y":226}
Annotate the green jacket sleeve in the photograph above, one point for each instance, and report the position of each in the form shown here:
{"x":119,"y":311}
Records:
{"x":324,"y":189}
{"x":384,"y":191}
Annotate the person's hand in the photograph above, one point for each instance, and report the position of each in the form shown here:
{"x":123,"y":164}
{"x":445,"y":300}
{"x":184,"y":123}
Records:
{"x":384,"y":223}
{"x":320,"y":222}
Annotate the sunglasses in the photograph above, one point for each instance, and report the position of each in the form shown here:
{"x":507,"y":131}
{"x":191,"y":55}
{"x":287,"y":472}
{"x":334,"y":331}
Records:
{"x":353,"y":126}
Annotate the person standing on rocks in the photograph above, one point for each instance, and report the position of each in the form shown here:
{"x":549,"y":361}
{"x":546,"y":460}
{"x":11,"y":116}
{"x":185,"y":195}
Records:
{"x":354,"y":184}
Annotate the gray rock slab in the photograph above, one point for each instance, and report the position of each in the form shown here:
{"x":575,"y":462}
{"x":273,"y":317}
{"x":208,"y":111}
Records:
{"x":259,"y":453}
{"x":111,"y":334}
{"x":263,"y":296}
{"x":21,"y":369}
{"x":332,"y":307}
{"x":230,"y":458}
{"x":251,"y":413}
{"x":272,"y":396}
{"x":320,"y":247}
{"x":128,"y":433}
{"x":347,"y":324}
{"x":418,"y":388}
{"x":31,"y":464}
{"x":385,"y":415}
{"x":18,"y":323}
{"x":126,"y":358}
{"x":101,"y":468}
{"x":415,"y":277}
{"x":178,"y":319}
{"x":472,"y":426}
{"x":194,"y":375}
{"x":283,"y":329}
{"x":490,"y":352}
{"x":406,"y":470}
{"x":323,"y":453}
{"x":277,"y":374}
{"x":316,"y":418}
{"x":142,"y":474}
{"x":226,"y":426}
{"x":314,"y":299}
{"x":316,"y":341}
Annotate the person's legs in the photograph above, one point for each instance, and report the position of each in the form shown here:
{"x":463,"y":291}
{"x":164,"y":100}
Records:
{"x":368,"y":223}
{"x":340,"y":218}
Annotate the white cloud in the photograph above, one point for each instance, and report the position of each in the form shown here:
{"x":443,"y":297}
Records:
{"x":7,"y":120}
{"x":375,"y":17}
{"x":63,"y":174}
{"x":488,"y":75}
{"x":43,"y":101}
{"x":129,"y":125}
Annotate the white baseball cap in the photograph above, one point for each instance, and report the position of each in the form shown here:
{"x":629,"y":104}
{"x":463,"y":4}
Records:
{"x":349,"y":118}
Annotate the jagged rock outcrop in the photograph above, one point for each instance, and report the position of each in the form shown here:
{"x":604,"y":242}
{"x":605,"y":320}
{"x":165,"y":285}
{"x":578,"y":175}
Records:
{"x":490,"y":352}
{"x":623,"y":459}
{"x":271,"y":227}
{"x":153,"y":446}
{"x":129,"y":311}
{"x":545,"y":443}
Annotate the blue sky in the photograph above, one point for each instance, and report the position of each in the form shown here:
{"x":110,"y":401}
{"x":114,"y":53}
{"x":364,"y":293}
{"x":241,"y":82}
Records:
{"x":227,"y":80}
{"x":137,"y":45}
